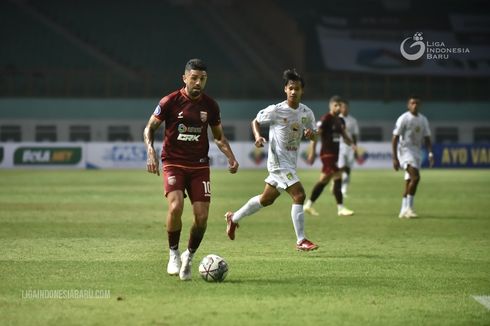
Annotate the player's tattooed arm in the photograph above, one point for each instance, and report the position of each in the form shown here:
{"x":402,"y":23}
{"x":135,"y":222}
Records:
{"x":224,"y":146}
{"x":152,"y":165}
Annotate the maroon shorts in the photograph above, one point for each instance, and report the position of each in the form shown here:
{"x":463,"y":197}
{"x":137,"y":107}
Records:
{"x":193,"y":180}
{"x":330,"y":163}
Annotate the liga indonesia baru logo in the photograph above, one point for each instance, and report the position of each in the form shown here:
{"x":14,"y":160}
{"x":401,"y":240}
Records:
{"x":432,"y":50}
{"x":418,"y":38}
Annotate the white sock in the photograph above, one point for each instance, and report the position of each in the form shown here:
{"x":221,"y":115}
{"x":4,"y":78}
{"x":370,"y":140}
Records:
{"x":251,"y":207}
{"x":410,"y":201}
{"x":404,"y":204}
{"x":298,"y":217}
{"x":340,"y":207}
{"x":174,"y":252}
{"x":345,"y":182}
{"x":308,"y":204}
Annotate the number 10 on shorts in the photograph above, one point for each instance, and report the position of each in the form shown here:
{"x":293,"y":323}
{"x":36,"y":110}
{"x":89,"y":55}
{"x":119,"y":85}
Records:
{"x":207,"y":188}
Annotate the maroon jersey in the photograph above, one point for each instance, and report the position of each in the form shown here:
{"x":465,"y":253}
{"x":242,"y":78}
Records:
{"x":331,"y":132}
{"x":186,"y":128}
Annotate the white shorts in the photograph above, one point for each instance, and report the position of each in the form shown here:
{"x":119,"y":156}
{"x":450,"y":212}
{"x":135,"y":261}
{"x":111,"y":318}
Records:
{"x":282,"y":179}
{"x":346,"y":157}
{"x":411,"y":158}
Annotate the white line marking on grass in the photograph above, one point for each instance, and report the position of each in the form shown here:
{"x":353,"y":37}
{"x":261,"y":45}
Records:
{"x":483,"y":299}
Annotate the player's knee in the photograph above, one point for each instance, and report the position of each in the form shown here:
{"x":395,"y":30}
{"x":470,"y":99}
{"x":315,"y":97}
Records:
{"x":265,"y":201}
{"x":299,"y":198}
{"x":175,"y":208}
{"x":201,"y":221}
{"x":415,"y":178}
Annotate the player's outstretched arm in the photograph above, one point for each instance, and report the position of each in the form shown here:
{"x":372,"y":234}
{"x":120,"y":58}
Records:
{"x":152,"y":165}
{"x":394,"y":152}
{"x":224,"y":146}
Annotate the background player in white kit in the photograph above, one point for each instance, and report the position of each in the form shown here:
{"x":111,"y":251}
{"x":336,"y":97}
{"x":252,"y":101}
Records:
{"x":347,"y":154}
{"x":411,"y":130}
{"x":288,"y":121}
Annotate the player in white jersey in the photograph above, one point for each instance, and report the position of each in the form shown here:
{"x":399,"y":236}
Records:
{"x":288,"y":121}
{"x":347,"y":154}
{"x":411,"y":131}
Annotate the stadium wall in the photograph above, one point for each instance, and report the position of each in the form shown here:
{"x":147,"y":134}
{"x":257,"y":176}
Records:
{"x":100,"y":116}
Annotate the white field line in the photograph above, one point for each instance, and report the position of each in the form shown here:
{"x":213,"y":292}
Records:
{"x":483,"y":299}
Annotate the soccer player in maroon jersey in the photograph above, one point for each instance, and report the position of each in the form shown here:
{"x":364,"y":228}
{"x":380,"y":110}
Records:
{"x":330,"y":128}
{"x":187,"y":113}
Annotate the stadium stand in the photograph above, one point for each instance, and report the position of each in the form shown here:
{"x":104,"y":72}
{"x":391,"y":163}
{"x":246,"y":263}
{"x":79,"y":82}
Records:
{"x":56,"y":48}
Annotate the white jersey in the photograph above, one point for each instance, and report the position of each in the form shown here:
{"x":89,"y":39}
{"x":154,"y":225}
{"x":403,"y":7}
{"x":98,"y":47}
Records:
{"x":351,"y":128}
{"x":412,"y":130}
{"x":286,"y":126}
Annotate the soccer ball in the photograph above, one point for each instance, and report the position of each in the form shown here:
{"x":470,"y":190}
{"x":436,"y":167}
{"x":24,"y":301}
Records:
{"x":213,"y":268}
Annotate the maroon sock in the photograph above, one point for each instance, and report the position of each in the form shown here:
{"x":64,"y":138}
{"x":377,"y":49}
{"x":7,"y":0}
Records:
{"x":173,"y":239}
{"x":337,"y":191}
{"x":317,"y":190}
{"x":197,"y":233}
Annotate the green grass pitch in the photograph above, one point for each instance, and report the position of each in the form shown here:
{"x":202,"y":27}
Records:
{"x":79,"y":230}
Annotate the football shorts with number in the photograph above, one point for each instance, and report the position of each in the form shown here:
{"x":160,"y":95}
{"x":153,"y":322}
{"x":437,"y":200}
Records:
{"x":194,"y":180}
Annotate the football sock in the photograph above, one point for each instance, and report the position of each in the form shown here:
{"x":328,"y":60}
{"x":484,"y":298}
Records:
{"x":404,"y":205}
{"x":340,"y":207}
{"x":345,"y":182}
{"x":410,"y":201}
{"x":308,"y":204}
{"x":173,"y":239}
{"x":337,"y":192}
{"x":298,"y":217}
{"x":197,"y":233}
{"x":317,"y":190}
{"x":251,"y":207}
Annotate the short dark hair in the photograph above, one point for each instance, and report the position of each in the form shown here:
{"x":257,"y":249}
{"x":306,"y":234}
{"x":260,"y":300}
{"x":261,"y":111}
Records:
{"x":292,"y":74}
{"x":413,"y":96}
{"x":195,"y":64}
{"x":336,"y":98}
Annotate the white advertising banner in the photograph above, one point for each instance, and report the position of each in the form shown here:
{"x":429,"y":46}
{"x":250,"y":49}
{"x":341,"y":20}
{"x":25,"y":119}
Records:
{"x":371,"y":155}
{"x":133,"y":156}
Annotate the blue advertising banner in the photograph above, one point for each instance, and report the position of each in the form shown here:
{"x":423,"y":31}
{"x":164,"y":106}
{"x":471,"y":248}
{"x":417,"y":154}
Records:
{"x":459,"y":156}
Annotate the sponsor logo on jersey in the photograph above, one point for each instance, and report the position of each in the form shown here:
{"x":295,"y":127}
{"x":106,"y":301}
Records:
{"x":180,"y":115}
{"x":303,"y":120}
{"x":188,"y":137}
{"x":182,"y":128}
{"x":204,"y":116}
